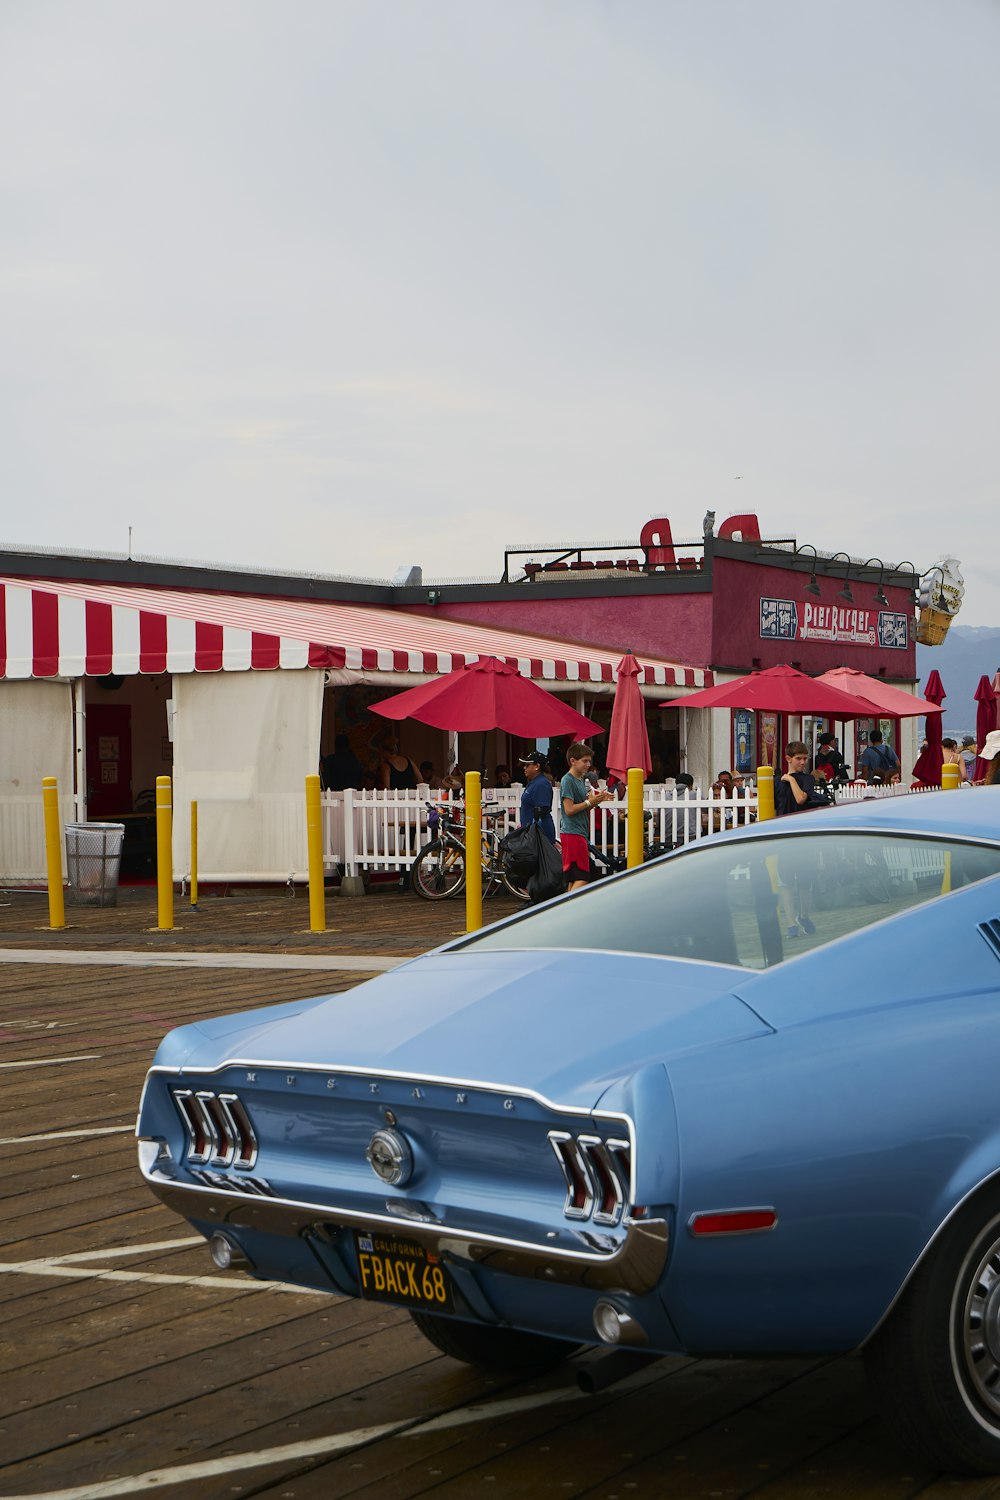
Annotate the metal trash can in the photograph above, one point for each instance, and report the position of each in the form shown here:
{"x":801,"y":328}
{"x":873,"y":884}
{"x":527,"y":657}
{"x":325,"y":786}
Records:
{"x":93,"y":859}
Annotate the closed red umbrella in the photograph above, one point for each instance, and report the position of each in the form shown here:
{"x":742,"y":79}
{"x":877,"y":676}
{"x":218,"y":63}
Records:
{"x":628,"y":742}
{"x":928,"y":767}
{"x":986,"y":719}
{"x":487,"y":694}
{"x":784,"y":690}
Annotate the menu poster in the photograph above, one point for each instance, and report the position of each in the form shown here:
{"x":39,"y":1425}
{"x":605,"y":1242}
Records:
{"x":768,"y":739}
{"x":743,"y":745}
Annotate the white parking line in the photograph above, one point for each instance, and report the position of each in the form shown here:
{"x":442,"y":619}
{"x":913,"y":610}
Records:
{"x":341,"y":1442}
{"x":48,"y":1062}
{"x":367,"y":963}
{"x":55,"y":1269}
{"x":117,"y":1251}
{"x":67,"y":1135}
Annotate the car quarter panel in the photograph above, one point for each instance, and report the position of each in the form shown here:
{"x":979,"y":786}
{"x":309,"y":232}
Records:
{"x":864,"y":1118}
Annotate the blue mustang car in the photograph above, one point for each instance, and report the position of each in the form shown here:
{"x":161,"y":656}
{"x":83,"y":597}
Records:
{"x":742,"y":1100}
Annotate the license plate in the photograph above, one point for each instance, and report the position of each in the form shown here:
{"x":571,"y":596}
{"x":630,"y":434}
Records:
{"x":400,"y":1271}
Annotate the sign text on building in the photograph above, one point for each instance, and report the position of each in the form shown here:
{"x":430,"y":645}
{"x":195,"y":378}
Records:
{"x":789,"y":620}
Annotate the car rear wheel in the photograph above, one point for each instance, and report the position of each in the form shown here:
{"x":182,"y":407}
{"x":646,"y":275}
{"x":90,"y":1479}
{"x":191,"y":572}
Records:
{"x":494,"y":1348}
{"x":935,"y":1365}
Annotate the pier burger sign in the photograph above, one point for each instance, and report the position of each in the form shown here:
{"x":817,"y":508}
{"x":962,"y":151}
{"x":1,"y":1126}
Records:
{"x":791,"y":620}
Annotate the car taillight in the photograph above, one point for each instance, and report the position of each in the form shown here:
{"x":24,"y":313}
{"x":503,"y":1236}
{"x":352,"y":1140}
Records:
{"x":219,"y":1130}
{"x":597,"y":1174}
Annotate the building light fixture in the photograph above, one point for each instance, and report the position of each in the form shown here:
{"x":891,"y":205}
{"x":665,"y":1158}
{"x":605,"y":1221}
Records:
{"x":881,"y":598}
{"x":845,"y":592}
{"x":812,"y":587}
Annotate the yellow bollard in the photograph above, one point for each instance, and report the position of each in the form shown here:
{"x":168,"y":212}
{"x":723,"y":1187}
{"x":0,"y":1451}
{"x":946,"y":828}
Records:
{"x":473,"y":852}
{"x":949,"y":778}
{"x":635,"y":827}
{"x":53,"y":851}
{"x":314,"y":840}
{"x":194,"y":854}
{"x":164,"y":854}
{"x":765,"y":793}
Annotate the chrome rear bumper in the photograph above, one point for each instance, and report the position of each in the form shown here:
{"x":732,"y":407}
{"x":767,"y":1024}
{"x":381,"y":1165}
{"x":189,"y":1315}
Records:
{"x":634,"y":1263}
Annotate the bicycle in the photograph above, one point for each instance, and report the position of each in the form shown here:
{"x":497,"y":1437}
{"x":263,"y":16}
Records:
{"x":613,"y":863}
{"x":438,"y":872}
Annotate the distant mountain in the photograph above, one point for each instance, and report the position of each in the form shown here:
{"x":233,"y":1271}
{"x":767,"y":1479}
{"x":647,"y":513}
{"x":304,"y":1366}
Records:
{"x":967,"y":653}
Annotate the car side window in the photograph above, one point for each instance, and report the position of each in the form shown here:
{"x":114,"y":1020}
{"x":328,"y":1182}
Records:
{"x":756,"y":902}
{"x":748,"y":890}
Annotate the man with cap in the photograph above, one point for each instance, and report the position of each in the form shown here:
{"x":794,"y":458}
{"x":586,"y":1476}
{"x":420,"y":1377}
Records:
{"x":537,"y":794}
{"x":968,"y":754}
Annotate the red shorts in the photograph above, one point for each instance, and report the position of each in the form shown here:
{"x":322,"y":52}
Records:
{"x":575,"y":856}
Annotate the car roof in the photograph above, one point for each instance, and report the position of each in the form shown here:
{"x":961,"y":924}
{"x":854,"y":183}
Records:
{"x":974,"y":813}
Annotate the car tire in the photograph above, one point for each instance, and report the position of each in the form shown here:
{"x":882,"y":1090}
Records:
{"x":493,"y":1348}
{"x":934,"y":1367}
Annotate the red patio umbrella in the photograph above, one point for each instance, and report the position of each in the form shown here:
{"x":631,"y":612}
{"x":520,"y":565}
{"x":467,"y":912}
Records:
{"x":487,"y":694}
{"x":628,"y":742}
{"x":928,"y":767}
{"x":784,"y":690}
{"x":892,"y":702}
{"x":986,"y":719}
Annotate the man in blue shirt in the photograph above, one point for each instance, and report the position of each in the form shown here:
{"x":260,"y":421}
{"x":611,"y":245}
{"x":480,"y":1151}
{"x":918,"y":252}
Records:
{"x":537,"y":794}
{"x":878,"y":759}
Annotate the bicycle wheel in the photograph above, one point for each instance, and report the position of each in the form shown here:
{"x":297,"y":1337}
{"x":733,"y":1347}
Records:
{"x":438,"y":871}
{"x":517,"y":891}
{"x":491,"y":865}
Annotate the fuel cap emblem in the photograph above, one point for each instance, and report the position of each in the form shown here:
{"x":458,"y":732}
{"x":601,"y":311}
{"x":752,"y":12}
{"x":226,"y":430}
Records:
{"x":390,"y":1158}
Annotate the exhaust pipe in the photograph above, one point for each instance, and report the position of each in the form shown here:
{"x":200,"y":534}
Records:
{"x":226,"y":1254}
{"x":601,"y":1373}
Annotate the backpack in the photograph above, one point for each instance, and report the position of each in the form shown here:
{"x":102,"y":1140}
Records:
{"x":888,"y":762}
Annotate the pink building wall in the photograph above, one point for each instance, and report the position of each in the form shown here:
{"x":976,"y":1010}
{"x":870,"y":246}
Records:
{"x":725,"y":629}
{"x":828,"y":631}
{"x":674,"y":627}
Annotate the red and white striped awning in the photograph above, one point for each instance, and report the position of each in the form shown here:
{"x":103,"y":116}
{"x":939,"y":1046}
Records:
{"x":64,"y":628}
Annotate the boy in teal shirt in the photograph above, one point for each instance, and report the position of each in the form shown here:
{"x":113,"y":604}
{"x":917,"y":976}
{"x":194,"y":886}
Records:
{"x":577,"y":799}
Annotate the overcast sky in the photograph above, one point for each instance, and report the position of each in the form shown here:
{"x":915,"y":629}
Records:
{"x":338,"y":285}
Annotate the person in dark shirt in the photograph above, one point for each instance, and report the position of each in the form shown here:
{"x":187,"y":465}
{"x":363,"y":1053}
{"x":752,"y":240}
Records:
{"x":794,"y":793}
{"x":342,"y":768}
{"x":429,"y":776}
{"x":827,"y":754}
{"x":537,"y":794}
{"x":397,"y":773}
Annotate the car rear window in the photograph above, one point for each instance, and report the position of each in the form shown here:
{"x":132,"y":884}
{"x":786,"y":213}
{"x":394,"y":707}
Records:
{"x":753,"y":903}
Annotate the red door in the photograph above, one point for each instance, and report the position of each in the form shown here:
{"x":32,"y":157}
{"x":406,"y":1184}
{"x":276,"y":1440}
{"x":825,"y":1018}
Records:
{"x":109,"y":760}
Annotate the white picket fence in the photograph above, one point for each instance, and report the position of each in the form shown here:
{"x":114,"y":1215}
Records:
{"x":379,"y":832}
{"x":860,"y":791}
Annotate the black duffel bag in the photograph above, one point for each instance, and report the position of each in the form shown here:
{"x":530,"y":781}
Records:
{"x":520,"y":854}
{"x":548,"y":880}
